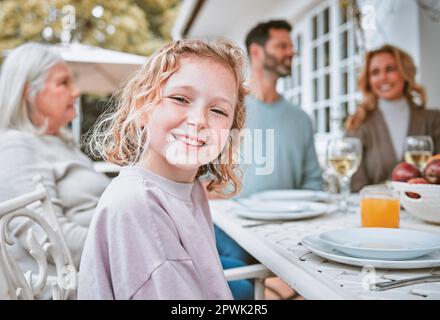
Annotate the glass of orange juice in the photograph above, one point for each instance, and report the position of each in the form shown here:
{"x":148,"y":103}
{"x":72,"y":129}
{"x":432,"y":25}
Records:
{"x":380,"y":208}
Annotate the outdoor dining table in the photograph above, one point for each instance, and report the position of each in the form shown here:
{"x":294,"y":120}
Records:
{"x":277,"y":245}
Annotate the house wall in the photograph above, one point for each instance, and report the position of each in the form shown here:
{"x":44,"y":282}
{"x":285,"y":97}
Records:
{"x":395,"y":22}
{"x":429,"y":67}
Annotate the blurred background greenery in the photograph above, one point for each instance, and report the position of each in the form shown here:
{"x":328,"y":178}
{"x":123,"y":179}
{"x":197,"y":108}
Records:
{"x":133,"y":26}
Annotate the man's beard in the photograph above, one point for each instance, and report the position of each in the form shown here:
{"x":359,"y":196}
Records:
{"x":280,"y":67}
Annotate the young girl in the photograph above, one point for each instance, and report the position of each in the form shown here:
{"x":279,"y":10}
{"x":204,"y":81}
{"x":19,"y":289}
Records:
{"x":151,"y":236}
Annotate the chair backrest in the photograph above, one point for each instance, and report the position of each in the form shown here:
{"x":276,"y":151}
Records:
{"x":22,"y":284}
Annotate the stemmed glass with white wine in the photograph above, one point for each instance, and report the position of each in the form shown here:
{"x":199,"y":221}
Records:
{"x":344,"y":156}
{"x":418,"y":149}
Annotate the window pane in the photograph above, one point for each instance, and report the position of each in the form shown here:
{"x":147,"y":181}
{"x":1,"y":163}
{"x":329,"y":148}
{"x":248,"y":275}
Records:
{"x":355,"y":43}
{"x":327,"y":53}
{"x":315,"y":89}
{"x":343,"y":12}
{"x":315,"y":58}
{"x":327,"y":119}
{"x":315,"y":118}
{"x":344,"y":107}
{"x":315,"y":27}
{"x":344,"y":112}
{"x":327,"y":86}
{"x":344,"y":82}
{"x":344,"y":45}
{"x":326,"y":20}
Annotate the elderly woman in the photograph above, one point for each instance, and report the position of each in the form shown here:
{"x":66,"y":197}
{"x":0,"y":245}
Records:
{"x":393,"y":108}
{"x":37,"y":96}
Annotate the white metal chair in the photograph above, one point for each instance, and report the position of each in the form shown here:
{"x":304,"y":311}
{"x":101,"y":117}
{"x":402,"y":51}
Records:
{"x":19,"y":284}
{"x":257,"y":272}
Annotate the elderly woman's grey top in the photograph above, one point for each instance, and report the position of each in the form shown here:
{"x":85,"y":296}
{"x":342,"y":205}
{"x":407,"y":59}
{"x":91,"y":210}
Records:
{"x":67,"y":173}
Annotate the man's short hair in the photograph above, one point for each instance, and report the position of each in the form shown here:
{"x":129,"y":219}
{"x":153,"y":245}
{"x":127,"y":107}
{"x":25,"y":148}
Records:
{"x":260,"y":33}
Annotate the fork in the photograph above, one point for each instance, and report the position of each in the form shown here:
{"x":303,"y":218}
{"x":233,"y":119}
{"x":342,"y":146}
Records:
{"x":385,"y":285}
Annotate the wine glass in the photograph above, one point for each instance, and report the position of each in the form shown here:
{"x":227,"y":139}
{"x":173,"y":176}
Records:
{"x":418,"y":149}
{"x":344,"y":157}
{"x":329,"y":178}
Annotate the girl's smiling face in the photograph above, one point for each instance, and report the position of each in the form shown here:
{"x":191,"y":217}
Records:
{"x":191,"y":124}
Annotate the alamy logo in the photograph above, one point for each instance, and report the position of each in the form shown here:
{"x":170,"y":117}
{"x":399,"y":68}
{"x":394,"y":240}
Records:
{"x":249,"y":147}
{"x":68,"y":20}
{"x":368,"y":21}
{"x":368,"y":275}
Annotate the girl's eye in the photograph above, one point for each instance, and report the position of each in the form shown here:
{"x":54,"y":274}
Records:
{"x":220,"y":112}
{"x":180,"y":99}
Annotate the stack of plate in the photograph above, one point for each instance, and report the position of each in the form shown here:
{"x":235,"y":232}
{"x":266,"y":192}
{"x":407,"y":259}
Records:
{"x":279,"y":210}
{"x":378,"y":247}
{"x":292,"y":195}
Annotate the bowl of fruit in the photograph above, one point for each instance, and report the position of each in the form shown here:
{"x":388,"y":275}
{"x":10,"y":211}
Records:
{"x":419,"y":190}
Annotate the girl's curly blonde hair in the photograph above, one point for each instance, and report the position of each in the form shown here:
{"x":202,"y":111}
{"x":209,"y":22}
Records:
{"x":413,"y":92}
{"x":119,"y":138}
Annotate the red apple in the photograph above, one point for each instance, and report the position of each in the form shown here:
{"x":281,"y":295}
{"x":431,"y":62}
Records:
{"x":419,"y":180}
{"x":432,"y":171}
{"x":405,"y":171}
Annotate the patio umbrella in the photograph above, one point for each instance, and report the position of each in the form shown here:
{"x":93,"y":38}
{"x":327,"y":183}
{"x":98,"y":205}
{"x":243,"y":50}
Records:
{"x":98,"y":70}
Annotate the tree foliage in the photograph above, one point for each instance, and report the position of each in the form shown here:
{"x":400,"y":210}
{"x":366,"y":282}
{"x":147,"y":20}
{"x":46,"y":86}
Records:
{"x":135,"y":26}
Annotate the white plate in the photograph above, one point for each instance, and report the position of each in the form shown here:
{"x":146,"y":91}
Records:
{"x":313,"y":210}
{"x":322,"y":249}
{"x":382,"y":243}
{"x":275,"y":206}
{"x":304,"y":195}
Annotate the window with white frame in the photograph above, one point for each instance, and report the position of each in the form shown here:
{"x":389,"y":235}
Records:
{"x":321,"y":42}
{"x":325,"y":69}
{"x":292,"y":84}
{"x":349,"y":63}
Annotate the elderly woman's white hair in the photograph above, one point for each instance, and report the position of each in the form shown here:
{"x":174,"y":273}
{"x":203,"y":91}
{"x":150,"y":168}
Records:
{"x":26,"y":64}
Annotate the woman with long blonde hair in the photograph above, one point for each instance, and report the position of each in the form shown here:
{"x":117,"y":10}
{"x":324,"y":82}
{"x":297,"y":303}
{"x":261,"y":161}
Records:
{"x":152,"y":235}
{"x":393,"y":107}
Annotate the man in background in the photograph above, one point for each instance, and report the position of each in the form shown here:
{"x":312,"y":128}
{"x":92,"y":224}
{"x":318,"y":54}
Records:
{"x":286,"y":129}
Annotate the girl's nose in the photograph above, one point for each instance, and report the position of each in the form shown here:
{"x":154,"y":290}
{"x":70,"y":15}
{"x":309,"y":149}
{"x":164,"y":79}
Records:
{"x":197,"y":118}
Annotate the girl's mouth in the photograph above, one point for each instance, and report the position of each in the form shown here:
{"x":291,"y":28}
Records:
{"x":190,"y":141}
